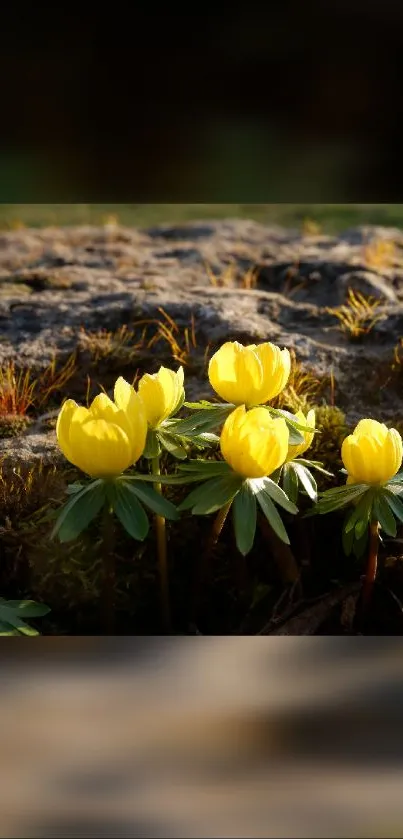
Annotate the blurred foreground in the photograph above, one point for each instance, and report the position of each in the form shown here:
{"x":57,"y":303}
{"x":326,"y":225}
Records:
{"x":186,"y":737}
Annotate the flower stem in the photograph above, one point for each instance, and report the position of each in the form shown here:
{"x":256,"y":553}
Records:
{"x":203,"y":565}
{"x":372,"y":564}
{"x":162,"y":555}
{"x":108,"y":589}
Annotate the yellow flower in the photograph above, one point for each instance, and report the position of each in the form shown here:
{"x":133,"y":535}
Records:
{"x":253,"y":443}
{"x":372,"y":454}
{"x":106,"y":438}
{"x":249,"y":375}
{"x":300,"y":448}
{"x":162,"y":394}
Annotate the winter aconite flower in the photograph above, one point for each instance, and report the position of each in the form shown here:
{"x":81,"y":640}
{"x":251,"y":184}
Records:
{"x":300,"y":448}
{"x":106,"y":438}
{"x":372,"y":454}
{"x":253,"y":443}
{"x":249,"y":375}
{"x":162,"y":394}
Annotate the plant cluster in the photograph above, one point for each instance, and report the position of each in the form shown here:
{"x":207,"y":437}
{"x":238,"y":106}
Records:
{"x":357,"y":317}
{"x":250,"y":458}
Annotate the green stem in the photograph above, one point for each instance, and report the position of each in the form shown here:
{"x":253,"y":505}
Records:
{"x":372,"y":564}
{"x":109,"y":576}
{"x":160,"y":528}
{"x":203,"y":566}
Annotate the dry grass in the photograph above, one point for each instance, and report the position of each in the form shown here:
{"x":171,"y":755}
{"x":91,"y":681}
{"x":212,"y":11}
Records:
{"x":310,"y":227}
{"x":229,"y":278}
{"x":128,"y":345}
{"x":182,"y":343}
{"x":302,"y":389}
{"x":17,"y":388}
{"x":125,"y":343}
{"x":54,"y":379}
{"x":21,"y":390}
{"x":110,"y":220}
{"x":380,"y":253}
{"x":358,"y":315}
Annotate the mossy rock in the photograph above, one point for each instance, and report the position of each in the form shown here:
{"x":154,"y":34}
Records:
{"x":12,"y":425}
{"x":13,"y":289}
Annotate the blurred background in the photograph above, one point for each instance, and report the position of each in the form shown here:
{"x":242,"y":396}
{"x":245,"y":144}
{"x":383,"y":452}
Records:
{"x":202,"y":737}
{"x":282,"y":102}
{"x":326,"y":218}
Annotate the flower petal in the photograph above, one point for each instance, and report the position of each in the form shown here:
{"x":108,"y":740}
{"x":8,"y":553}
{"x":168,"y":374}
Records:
{"x":101,"y":448}
{"x":66,"y":413}
{"x":235,"y":373}
{"x":276,"y":365}
{"x":253,"y":443}
{"x":132,"y":406}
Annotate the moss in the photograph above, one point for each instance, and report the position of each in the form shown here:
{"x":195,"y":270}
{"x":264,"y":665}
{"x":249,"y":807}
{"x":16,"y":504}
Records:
{"x":12,"y":425}
{"x":302,"y":388}
{"x":331,"y":423}
{"x":10,"y":289}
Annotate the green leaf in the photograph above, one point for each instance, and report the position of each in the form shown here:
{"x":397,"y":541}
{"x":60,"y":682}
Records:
{"x":66,"y":509}
{"x":177,"y":478}
{"x":347,"y":535}
{"x":331,"y":500}
{"x":384,"y":515}
{"x":290,"y":482}
{"x":276,"y":475}
{"x":152,"y":447}
{"x":398,"y":478}
{"x":207,"y":437}
{"x":307,"y":480}
{"x":244,"y":517}
{"x":203,"y":420}
{"x":201,"y":441}
{"x":11,"y":622}
{"x":205,"y":404}
{"x":274,"y":491}
{"x":294,"y":426}
{"x":272,"y":515}
{"x":212,"y":495}
{"x":80,"y":511}
{"x":396,"y":488}
{"x":335,"y":492}
{"x":315,"y":464}
{"x":395,"y":503}
{"x":130,"y":512}
{"x":295,"y":437}
{"x":172,"y":445}
{"x":359,"y":545}
{"x":28,"y":608}
{"x":6,"y":629}
{"x":206,"y":468}
{"x":152,"y":499}
{"x":77,"y":486}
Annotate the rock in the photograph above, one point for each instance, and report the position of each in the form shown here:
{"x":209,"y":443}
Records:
{"x":31,"y":448}
{"x":368,"y":283}
{"x":104,"y":278}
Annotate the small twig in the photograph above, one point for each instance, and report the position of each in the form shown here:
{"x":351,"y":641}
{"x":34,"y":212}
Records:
{"x":282,"y":553}
{"x":204,"y":564}
{"x":372,"y":565}
{"x":109,"y":578}
{"x":160,"y":527}
{"x":309,"y":621}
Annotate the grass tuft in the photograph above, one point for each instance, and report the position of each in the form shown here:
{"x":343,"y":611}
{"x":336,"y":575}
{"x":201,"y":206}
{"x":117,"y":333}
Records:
{"x":357,"y":316}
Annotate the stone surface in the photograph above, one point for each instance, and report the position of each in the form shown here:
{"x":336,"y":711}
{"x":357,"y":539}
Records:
{"x":55,"y":281}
